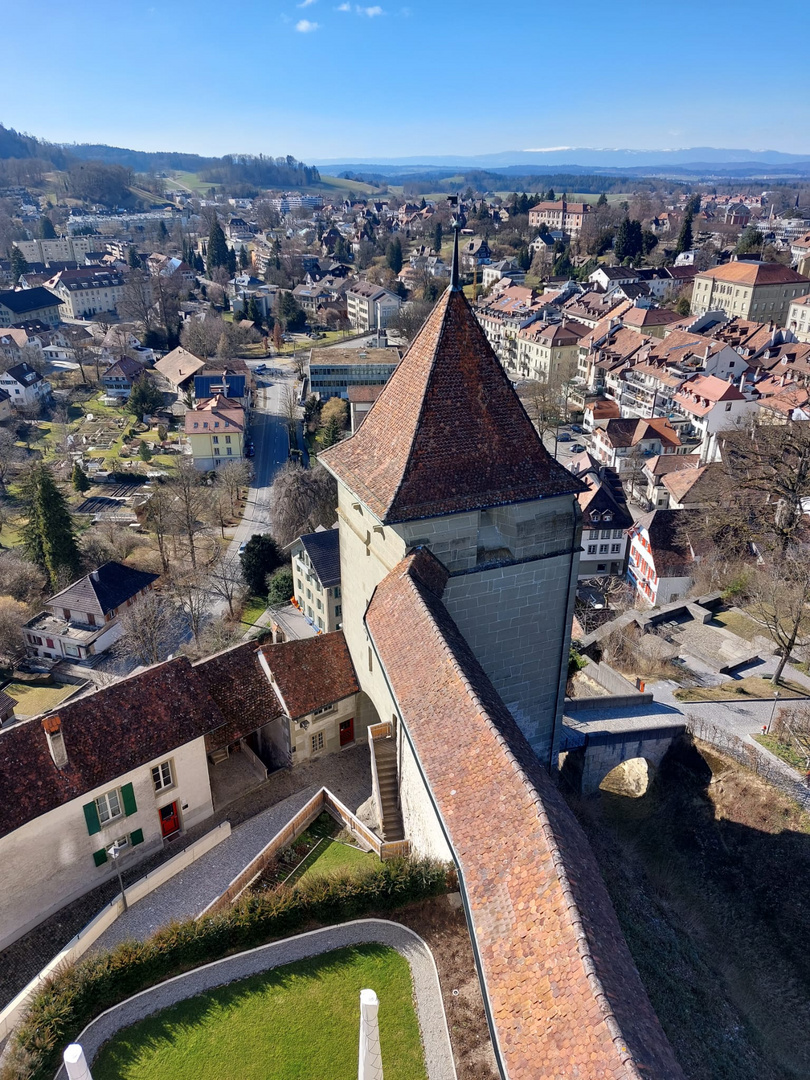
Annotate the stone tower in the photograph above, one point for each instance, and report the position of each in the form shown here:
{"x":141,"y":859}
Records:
{"x":448,"y":458}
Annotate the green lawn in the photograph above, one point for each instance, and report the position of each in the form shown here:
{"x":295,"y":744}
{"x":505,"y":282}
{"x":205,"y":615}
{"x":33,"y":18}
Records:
{"x":35,"y":698}
{"x":783,"y":751}
{"x":752,"y":687}
{"x":254,"y":607}
{"x":299,"y":1022}
{"x":739,"y":624}
{"x":330,"y":857}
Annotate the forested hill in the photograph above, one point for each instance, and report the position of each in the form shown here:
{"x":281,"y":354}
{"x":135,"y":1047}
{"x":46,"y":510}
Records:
{"x":247,"y":169}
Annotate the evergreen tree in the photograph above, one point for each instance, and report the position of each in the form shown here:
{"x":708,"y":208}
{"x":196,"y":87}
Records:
{"x":393,"y":255}
{"x":217,"y":249}
{"x":145,"y":398}
{"x":602,"y":200}
{"x":163,"y":232}
{"x":244,"y":262}
{"x":19,"y":265}
{"x":144,"y":453}
{"x":46,"y":229}
{"x":550,"y":196}
{"x":289,"y":313}
{"x":685,"y":241}
{"x":231,"y":262}
{"x":648,"y":241}
{"x":628,"y":243}
{"x":133,"y":259}
{"x":260,"y":558}
{"x":199,"y":265}
{"x":280,"y":587}
{"x":437,"y":237}
{"x":49,"y":536}
{"x":81,"y":482}
{"x":253,"y":311}
{"x":332,"y":432}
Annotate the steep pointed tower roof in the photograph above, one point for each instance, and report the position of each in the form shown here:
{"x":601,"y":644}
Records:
{"x":448,"y":433}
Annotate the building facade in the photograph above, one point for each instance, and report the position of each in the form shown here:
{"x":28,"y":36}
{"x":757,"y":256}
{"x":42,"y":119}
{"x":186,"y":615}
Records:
{"x":749,"y":290}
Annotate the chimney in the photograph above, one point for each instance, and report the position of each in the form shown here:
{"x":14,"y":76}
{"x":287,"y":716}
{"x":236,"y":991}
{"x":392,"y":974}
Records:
{"x":742,"y":382}
{"x":94,"y":575}
{"x":52,"y":726}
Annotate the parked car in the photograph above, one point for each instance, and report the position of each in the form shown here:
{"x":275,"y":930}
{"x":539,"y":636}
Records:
{"x":242,"y":546}
{"x":578,"y":448}
{"x":563,"y":437}
{"x":578,"y":428}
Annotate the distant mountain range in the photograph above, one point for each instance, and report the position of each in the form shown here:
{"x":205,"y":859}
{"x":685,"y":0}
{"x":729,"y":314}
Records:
{"x":694,"y":161}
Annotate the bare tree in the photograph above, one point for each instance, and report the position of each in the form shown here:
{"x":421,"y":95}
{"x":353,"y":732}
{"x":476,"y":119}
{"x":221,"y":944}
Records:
{"x":188,"y":589}
{"x":158,"y":516}
{"x":791,"y":726}
{"x":11,"y":455}
{"x":778,"y":598}
{"x":192,"y":505}
{"x":137,"y":300}
{"x":290,"y":410}
{"x":232,"y":477}
{"x":201,"y":336}
{"x":150,"y":628}
{"x":225,"y":580}
{"x":12,"y":616}
{"x":302,"y":500}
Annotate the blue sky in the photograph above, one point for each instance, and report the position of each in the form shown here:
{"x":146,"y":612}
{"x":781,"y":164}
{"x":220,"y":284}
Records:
{"x":332,"y":79}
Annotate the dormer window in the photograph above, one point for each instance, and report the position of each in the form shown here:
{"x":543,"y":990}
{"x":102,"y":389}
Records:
{"x":595,"y":515}
{"x":607,"y":516}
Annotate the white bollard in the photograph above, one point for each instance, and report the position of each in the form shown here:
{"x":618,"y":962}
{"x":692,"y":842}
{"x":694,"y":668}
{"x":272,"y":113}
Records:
{"x":370,"y":1056}
{"x":76,"y":1063}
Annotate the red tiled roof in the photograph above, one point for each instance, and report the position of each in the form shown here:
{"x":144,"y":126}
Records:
{"x":448,"y":433}
{"x":754,"y":273}
{"x":564,"y":995}
{"x":310,"y":673}
{"x":106,"y":734}
{"x":237,"y":682}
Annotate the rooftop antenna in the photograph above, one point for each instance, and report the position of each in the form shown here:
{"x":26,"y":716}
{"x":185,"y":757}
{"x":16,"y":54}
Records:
{"x":455,"y":223}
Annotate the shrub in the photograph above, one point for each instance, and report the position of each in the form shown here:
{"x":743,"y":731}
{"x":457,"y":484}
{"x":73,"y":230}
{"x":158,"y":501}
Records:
{"x":77,"y":993}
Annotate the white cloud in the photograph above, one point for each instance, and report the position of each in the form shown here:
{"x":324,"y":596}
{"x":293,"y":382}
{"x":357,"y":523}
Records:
{"x":307,"y":3}
{"x":370,"y":11}
{"x":345,"y":7}
{"x":304,"y":26}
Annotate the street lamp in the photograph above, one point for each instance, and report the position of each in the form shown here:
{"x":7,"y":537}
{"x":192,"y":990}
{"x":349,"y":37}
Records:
{"x":114,"y":852}
{"x":773,"y":710}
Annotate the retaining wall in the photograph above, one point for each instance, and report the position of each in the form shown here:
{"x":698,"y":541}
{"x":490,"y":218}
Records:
{"x":77,"y":946}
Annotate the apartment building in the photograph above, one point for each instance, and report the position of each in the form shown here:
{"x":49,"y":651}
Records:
{"x":369,"y":306}
{"x":215,"y":430}
{"x":563,"y":215}
{"x":316,"y":578}
{"x":798,"y":319}
{"x":759,"y":291}
{"x":333,"y":371}
{"x":88,"y":291}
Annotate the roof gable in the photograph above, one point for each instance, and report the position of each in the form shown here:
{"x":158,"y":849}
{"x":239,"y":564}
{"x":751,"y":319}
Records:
{"x":103,"y":589}
{"x":448,"y":433}
{"x":310,"y":673}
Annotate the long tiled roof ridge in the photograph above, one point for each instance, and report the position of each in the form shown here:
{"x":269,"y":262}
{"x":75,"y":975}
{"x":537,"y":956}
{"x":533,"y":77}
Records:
{"x":564,"y":996}
{"x":448,"y":433}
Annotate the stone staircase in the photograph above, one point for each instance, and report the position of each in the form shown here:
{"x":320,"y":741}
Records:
{"x":385,"y":754}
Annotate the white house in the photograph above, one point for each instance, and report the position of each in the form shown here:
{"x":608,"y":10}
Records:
{"x":82,"y":620}
{"x":369,"y":305}
{"x":711,"y":405}
{"x":660,"y":558}
{"x":25,"y":386}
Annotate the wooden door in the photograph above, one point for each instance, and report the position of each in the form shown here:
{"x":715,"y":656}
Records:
{"x":347,"y":732}
{"x":169,"y":819}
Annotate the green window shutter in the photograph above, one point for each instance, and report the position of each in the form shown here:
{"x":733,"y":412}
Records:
{"x":100,"y":856}
{"x":136,"y":837}
{"x":128,"y":797}
{"x":91,"y":817}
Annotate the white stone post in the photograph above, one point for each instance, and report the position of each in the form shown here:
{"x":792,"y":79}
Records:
{"x":370,"y":1056}
{"x":76,"y":1063}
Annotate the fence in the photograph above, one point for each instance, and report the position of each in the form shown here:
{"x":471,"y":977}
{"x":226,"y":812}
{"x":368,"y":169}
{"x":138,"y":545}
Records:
{"x":751,"y":756}
{"x":321,"y":801}
{"x":79,"y":945}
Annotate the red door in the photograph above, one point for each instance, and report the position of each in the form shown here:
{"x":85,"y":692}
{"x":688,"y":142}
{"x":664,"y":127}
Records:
{"x":347,"y":732}
{"x":169,"y":821}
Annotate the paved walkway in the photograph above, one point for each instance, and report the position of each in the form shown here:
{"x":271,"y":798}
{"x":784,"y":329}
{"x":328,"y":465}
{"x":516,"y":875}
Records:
{"x":427,"y":992}
{"x":188,"y":893}
{"x":347,"y":774}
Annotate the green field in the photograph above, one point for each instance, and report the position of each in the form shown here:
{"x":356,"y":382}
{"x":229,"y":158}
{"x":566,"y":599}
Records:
{"x":35,"y":698}
{"x":298,"y":1022}
{"x":332,"y":857}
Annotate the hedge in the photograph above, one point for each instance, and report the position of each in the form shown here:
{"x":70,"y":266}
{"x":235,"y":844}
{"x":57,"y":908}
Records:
{"x":75,"y":995}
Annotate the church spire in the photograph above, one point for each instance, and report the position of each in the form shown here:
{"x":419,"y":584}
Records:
{"x":455,"y":279}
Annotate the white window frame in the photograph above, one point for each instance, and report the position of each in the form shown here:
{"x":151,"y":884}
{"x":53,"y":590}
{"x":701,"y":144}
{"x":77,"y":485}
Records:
{"x":316,"y":742}
{"x":160,"y":772}
{"x":106,"y":807}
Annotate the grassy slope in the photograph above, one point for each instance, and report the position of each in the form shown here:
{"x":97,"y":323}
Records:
{"x":710,"y":877}
{"x":295,"y":1023}
{"x":331,"y":857}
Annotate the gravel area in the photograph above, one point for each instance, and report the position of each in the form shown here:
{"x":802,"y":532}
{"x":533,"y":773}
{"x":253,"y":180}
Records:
{"x":427,"y":993}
